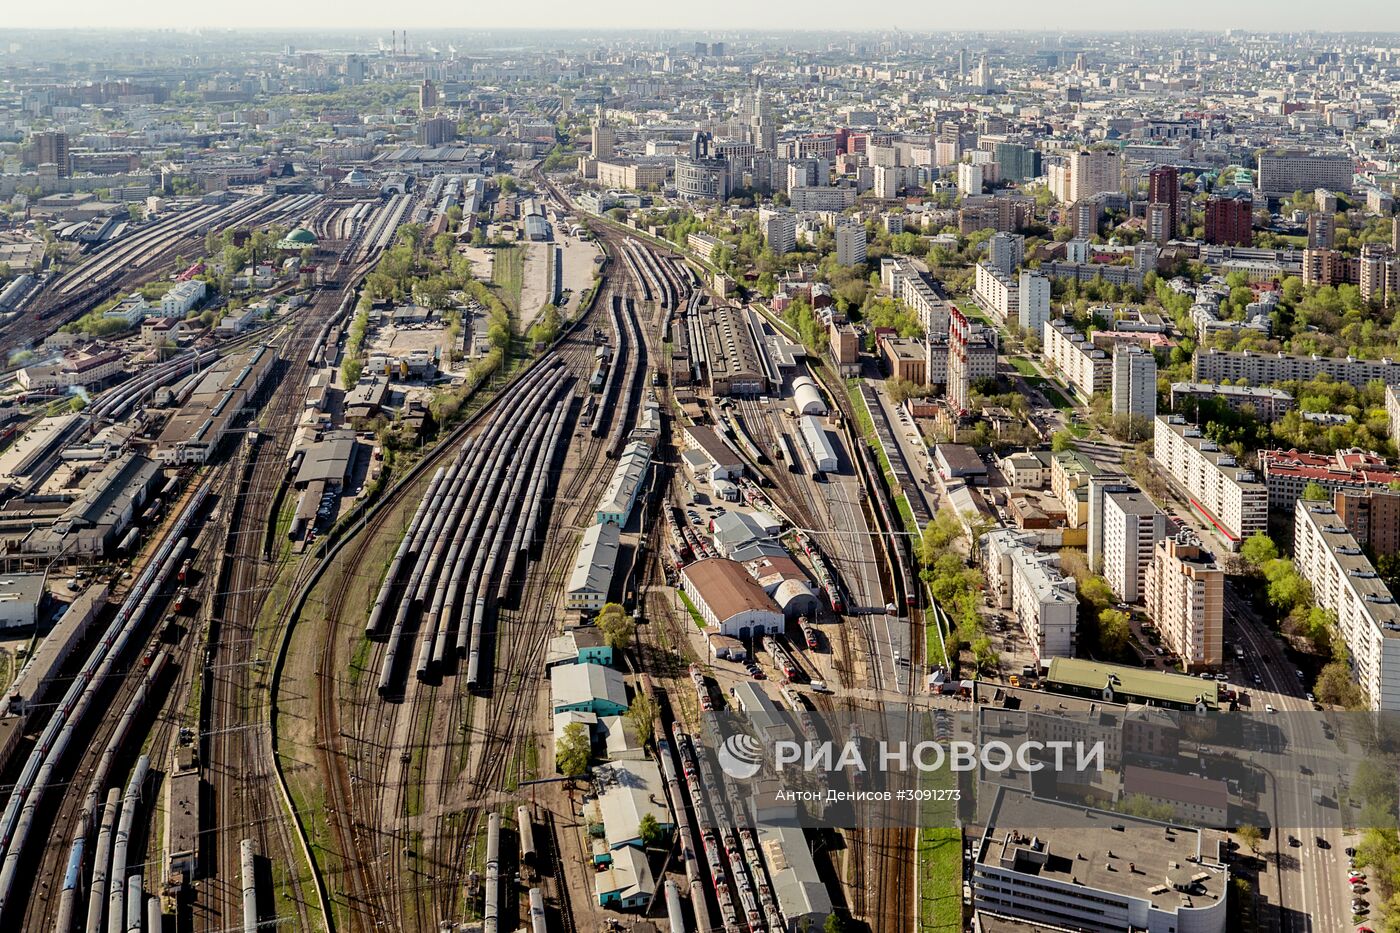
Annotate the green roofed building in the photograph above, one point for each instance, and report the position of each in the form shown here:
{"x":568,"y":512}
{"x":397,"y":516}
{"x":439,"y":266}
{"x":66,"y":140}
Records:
{"x":299,"y":239}
{"x":1118,"y":684}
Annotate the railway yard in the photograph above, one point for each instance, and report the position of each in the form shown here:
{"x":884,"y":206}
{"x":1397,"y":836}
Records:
{"x":348,"y":716}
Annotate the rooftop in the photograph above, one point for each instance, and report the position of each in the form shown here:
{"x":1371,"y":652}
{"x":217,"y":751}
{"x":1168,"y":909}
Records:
{"x":1133,"y":681}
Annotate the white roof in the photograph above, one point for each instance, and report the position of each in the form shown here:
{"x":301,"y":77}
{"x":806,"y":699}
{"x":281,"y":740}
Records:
{"x":597,"y":556}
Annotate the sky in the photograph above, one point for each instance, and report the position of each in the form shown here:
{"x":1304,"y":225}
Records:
{"x":718,"y":15}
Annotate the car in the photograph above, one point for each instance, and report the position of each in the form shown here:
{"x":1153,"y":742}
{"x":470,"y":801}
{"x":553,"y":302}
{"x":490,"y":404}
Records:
{"x":1161,"y":652}
{"x":1351,"y":851}
{"x":1268,"y":708}
{"x":1356,"y":877}
{"x":1360,"y":907}
{"x":1300,"y":674}
{"x":1206,"y":676}
{"x":1258,"y":681}
{"x":1360,"y":889}
{"x":1221,"y":677}
{"x":1323,"y":843}
{"x":1294,"y":842}
{"x":1311,"y":698}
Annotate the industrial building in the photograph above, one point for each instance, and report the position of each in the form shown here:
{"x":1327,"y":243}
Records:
{"x":1117,"y":683}
{"x":592,"y":575}
{"x":193,"y":434}
{"x":627,"y":480}
{"x":730,"y":600}
{"x":732,"y":360}
{"x":819,"y":444}
{"x":720,"y":461}
{"x":93,"y":524}
{"x":20,"y":596}
{"x":807,"y":398}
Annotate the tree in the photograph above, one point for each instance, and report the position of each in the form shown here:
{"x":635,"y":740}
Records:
{"x":1113,"y":631}
{"x":649,"y":831}
{"x":1335,"y":687}
{"x":615,"y":626}
{"x":941,"y":531}
{"x":1249,"y":835}
{"x":1314,"y":492}
{"x":642,"y":716}
{"x":1096,"y":592}
{"x":572,"y":751}
{"x":1061,"y":441}
{"x":834,"y":924}
{"x":1258,"y":549}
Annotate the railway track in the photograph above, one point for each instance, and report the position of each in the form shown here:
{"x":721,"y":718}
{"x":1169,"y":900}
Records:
{"x":408,"y":781}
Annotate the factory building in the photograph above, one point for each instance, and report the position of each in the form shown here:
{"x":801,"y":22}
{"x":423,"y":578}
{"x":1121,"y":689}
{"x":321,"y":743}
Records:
{"x":730,"y":600}
{"x":627,"y":480}
{"x":592,"y":575}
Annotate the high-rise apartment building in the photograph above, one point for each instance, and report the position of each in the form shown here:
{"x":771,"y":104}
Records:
{"x":1230,"y":219}
{"x":427,"y":95}
{"x":1322,"y":231}
{"x":969,"y":178}
{"x":1131,"y":527}
{"x":1006,"y":251}
{"x":51,"y":147}
{"x":1164,"y":193}
{"x":1134,"y":382}
{"x":1372,"y":516}
{"x":435,"y":131}
{"x":1086,"y":173}
{"x":779,"y":228}
{"x":972,"y":355}
{"x":1185,"y":596}
{"x":1229,"y":497}
{"x":850,"y":244}
{"x":1019,"y":163}
{"x":1344,"y":580}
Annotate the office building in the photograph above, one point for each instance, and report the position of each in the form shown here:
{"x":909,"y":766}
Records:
{"x":1019,"y":164}
{"x":1185,"y":596}
{"x":1288,"y":473}
{"x":850,"y":244}
{"x":1282,"y":173}
{"x":1230,"y":219}
{"x":1232,"y":500}
{"x":1134,"y":381}
{"x":1343,"y":580}
{"x":604,"y":140}
{"x":1098,"y":871}
{"x":701,"y":174}
{"x":1131,"y":528}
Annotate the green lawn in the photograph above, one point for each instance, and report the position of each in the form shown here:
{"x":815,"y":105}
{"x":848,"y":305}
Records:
{"x":1024,"y":366}
{"x":940,"y":879}
{"x":694,"y":613}
{"x":508,"y":273}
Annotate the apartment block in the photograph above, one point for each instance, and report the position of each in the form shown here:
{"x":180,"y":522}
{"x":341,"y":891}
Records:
{"x":1132,"y":526}
{"x":1134,"y":381}
{"x":1344,"y":581}
{"x":1267,"y":405}
{"x":1372,"y":516}
{"x":1287,"y":473}
{"x":1075,"y":357}
{"x":1185,"y":596}
{"x":1261,"y":369}
{"x":1232,"y":499}
{"x":1030,"y":584}
{"x":779,"y":229}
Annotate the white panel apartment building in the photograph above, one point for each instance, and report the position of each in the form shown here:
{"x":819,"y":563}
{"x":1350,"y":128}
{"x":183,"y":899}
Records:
{"x":1083,"y":365}
{"x":1232,"y":499}
{"x":1132,"y":526}
{"x":1031,"y":586}
{"x":1134,"y":381}
{"x":1023,"y":299}
{"x":1343,"y":580}
{"x":779,"y":229}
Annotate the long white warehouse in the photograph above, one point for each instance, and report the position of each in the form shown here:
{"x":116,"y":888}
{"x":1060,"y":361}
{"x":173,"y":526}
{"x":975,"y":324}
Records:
{"x":818,"y":444}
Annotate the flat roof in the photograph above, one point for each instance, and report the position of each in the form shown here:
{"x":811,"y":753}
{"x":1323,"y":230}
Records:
{"x":1094,"y":849}
{"x":1134,"y":681}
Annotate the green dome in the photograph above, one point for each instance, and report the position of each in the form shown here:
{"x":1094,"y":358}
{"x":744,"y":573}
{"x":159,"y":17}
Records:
{"x":300,"y":238}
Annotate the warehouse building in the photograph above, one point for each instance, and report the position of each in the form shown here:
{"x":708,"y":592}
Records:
{"x":818,"y":444}
{"x":627,"y":481}
{"x":93,"y":524}
{"x":193,"y":434}
{"x":730,"y":600}
{"x":587,"y":688}
{"x":20,"y":596}
{"x":731,"y":352}
{"x":722,"y":461}
{"x":593,"y":568}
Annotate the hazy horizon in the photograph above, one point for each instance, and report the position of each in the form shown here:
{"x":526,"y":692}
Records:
{"x":716,"y":17}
